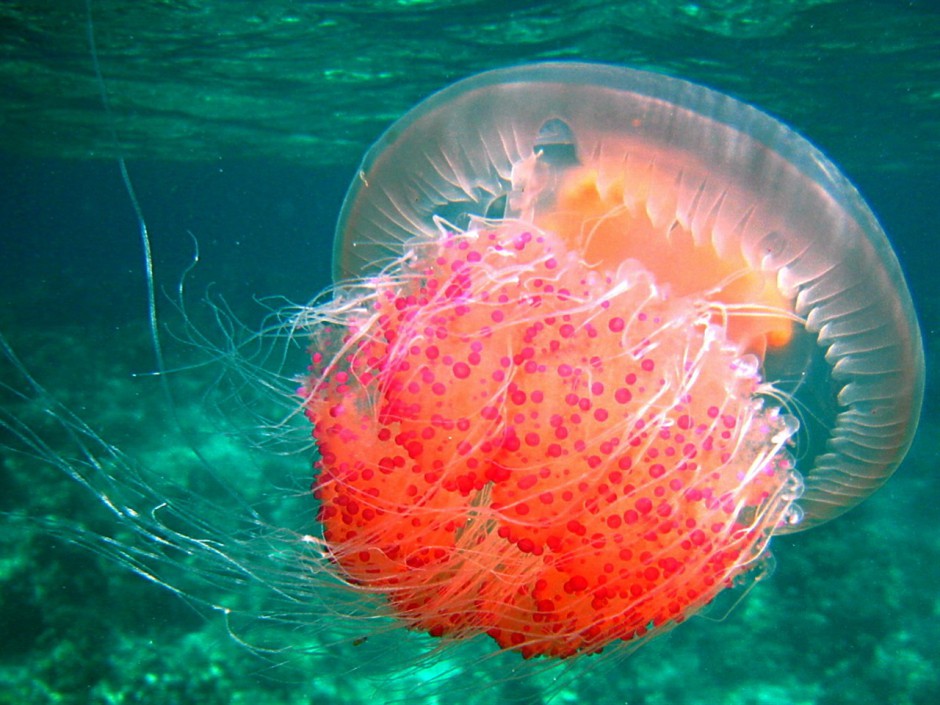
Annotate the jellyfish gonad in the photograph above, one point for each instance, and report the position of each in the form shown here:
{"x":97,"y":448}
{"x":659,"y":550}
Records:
{"x":597,"y":335}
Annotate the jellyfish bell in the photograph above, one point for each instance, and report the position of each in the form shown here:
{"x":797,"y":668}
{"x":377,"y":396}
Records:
{"x":696,"y":171}
{"x":556,"y":405}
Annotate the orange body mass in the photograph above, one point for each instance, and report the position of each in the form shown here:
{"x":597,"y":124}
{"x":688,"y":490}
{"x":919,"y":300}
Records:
{"x":514,"y":443}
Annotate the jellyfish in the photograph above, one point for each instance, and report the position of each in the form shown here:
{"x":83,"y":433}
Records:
{"x":597,"y":336}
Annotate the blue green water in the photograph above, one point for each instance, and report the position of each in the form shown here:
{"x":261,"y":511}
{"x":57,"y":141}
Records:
{"x":242,"y":129}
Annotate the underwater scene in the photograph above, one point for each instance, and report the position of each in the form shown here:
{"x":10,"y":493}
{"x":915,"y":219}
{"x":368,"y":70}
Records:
{"x":449,"y":351}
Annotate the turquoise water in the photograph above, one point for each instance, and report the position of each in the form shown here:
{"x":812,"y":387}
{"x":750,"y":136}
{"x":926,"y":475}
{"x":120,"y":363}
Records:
{"x":242,"y":131}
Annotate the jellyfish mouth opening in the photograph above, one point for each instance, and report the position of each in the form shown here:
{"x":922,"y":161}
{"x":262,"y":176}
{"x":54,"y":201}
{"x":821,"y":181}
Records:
{"x":517,"y":443}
